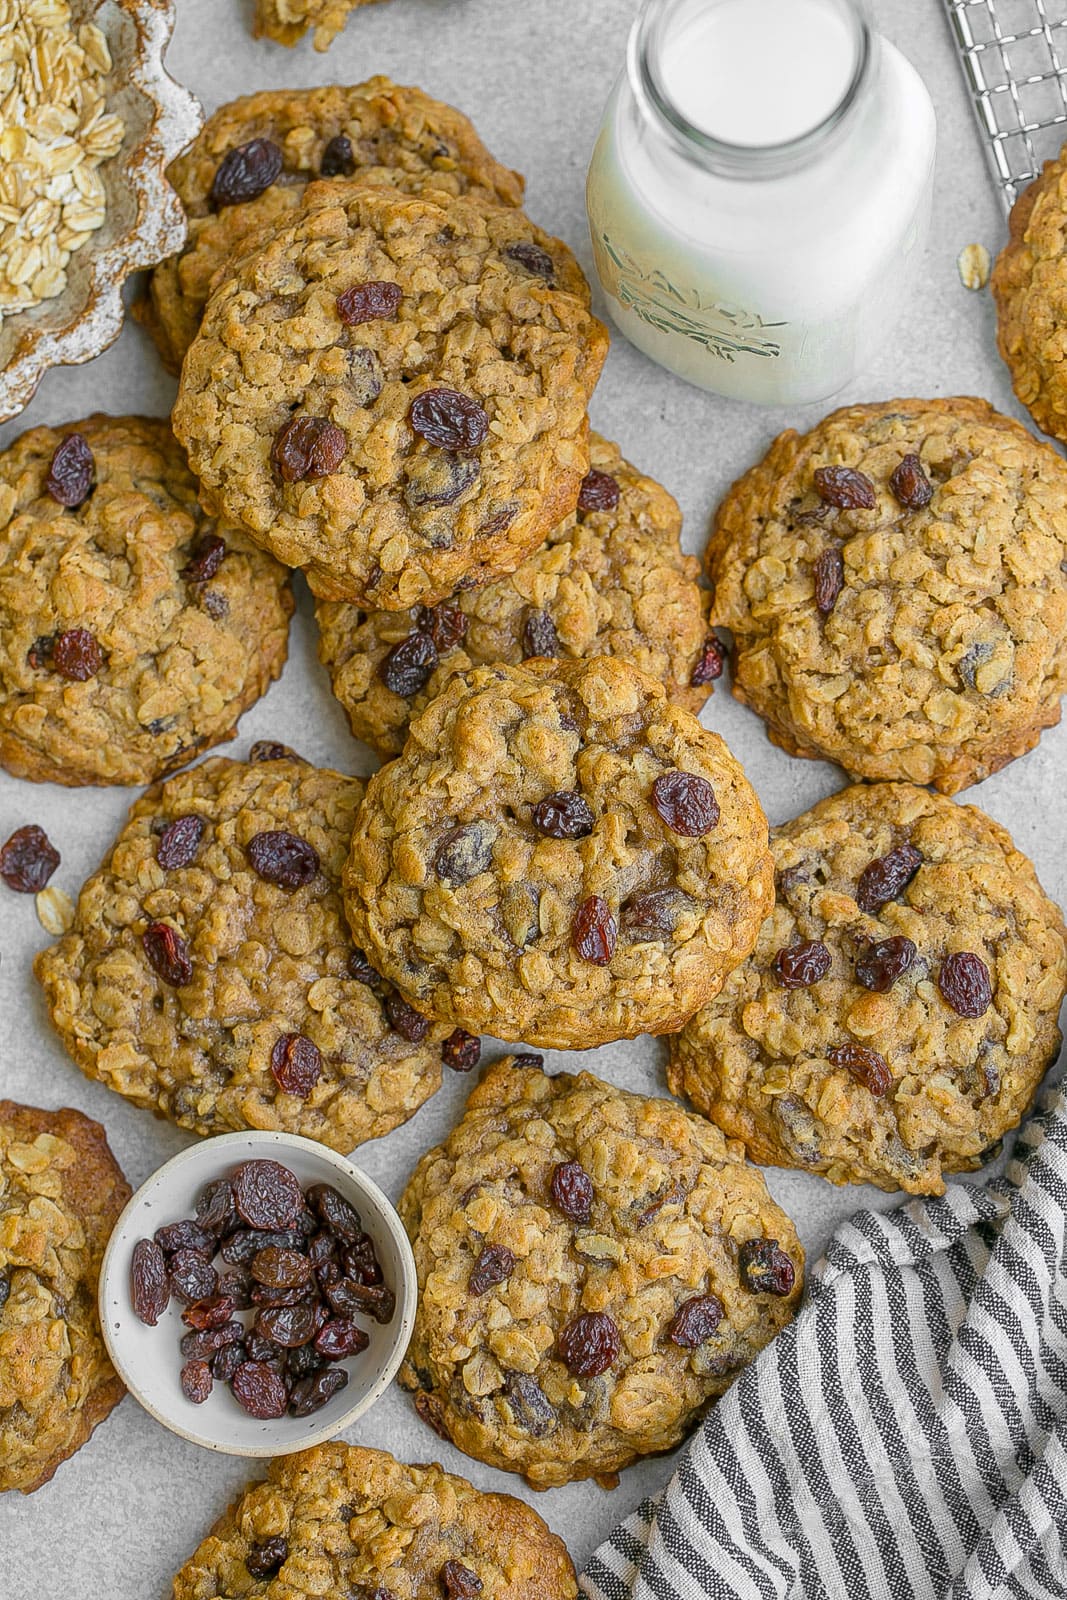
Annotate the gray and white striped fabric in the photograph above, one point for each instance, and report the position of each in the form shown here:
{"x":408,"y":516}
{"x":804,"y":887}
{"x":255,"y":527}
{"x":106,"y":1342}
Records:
{"x":906,"y":1438}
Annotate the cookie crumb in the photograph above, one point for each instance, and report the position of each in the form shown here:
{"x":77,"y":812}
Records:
{"x":55,"y":911}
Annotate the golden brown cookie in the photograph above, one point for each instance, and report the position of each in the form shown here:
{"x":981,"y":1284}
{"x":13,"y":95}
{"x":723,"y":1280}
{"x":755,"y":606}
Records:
{"x":340,"y":1520}
{"x":287,"y":21}
{"x":390,"y":392}
{"x":1029,"y":285}
{"x":900,"y":1006}
{"x":61,"y":1192}
{"x":610,"y":580}
{"x":895,"y":581}
{"x":268,"y":146}
{"x":134,"y":630}
{"x":559,"y":855}
{"x":594,"y":1268}
{"x":209,"y":974}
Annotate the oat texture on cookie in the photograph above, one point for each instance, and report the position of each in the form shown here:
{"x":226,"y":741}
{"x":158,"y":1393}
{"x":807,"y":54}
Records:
{"x":559,"y":855}
{"x":390,"y":392}
{"x":60,"y":1194}
{"x":895,"y":581}
{"x":900,"y":1007}
{"x":594,"y":1268}
{"x":209,"y":974}
{"x":1029,"y":285}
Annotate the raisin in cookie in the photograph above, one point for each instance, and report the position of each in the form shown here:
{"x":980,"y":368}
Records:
{"x":1029,"y":285}
{"x":60,"y":1195}
{"x":900,"y":1006}
{"x":560,"y":855}
{"x":209,"y":974}
{"x":134,"y":630}
{"x":611,"y":581}
{"x":895,"y":583}
{"x":340,"y":1520}
{"x":248,"y":168}
{"x":287,"y":21}
{"x":594,"y":1268}
{"x":390,"y":392}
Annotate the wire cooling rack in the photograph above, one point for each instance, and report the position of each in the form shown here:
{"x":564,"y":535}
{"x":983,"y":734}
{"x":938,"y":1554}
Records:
{"x":1014,"y":54}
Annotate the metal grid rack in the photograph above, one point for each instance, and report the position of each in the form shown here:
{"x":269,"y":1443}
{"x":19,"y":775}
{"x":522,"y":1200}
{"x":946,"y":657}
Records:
{"x":1014,"y":53}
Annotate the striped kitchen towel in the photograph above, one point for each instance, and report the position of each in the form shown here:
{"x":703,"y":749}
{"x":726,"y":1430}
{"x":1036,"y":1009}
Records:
{"x":906,"y":1438}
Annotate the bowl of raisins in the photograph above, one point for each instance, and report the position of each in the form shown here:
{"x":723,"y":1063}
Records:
{"x":257,"y":1294}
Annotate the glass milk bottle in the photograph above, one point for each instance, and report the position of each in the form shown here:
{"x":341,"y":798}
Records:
{"x":760,"y":192}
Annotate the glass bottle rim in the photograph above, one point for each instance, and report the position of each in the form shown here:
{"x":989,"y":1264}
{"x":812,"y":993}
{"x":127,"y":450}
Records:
{"x":721,"y":155}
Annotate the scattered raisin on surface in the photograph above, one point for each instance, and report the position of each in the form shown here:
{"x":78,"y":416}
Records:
{"x":446,"y":624}
{"x":76,"y":655}
{"x":686,"y":803}
{"x":196,"y":1381}
{"x":563,"y":815}
{"x":449,"y":420}
{"x":886,"y":877}
{"x":709,"y":663}
{"x":764,"y":1268}
{"x":335,"y":1212}
{"x":864,"y":1064}
{"x":695,"y":1321}
{"x":338,"y":158}
{"x":539,"y":636}
{"x":168,"y":954}
{"x":340,"y":1338}
{"x":599,"y":491}
{"x":310,"y":1394}
{"x":464,"y":852}
{"x":439,"y":478}
{"x":307,"y":447}
{"x":280,"y":857}
{"x":295,"y":1064}
{"x":589,"y":1344}
{"x":798,"y":966}
{"x":845,"y":488}
{"x":594,"y":933}
{"x":408,"y":666}
{"x":964,"y":983}
{"x":260,"y":1390}
{"x":179,"y":842}
{"x":361,"y":970}
{"x":28,"y":860}
{"x":461,"y":1050}
{"x":374,"y":301}
{"x":881,"y":964}
{"x":494,"y":1265}
{"x":532,"y":257}
{"x":271,"y":750}
{"x":246,"y":171}
{"x":430,"y":1410}
{"x":572,"y":1191}
{"x":530,"y":1406}
{"x":70,"y":475}
{"x":205,"y":559}
{"x":266,"y":1194}
{"x":185,"y":1235}
{"x":149,"y":1284}
{"x":529,"y":1061}
{"x":405,"y":1020}
{"x":264,"y":1560}
{"x":460,"y":1583}
{"x":829,"y":579}
{"x":910,"y":484}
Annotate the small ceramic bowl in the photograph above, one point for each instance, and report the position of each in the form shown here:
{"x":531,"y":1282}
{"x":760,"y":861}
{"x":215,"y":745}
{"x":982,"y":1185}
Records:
{"x":148,"y":1360}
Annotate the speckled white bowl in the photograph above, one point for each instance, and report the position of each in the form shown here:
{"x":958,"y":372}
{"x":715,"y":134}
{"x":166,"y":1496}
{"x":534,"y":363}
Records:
{"x":148,"y":1360}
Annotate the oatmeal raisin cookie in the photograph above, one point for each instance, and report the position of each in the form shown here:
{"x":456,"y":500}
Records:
{"x":1029,"y":285}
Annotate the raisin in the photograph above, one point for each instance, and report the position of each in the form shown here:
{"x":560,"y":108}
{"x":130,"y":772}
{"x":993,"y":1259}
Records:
{"x":430,"y":1410}
{"x":361,"y":1262}
{"x":801,"y":965}
{"x":282,"y":858}
{"x":280,"y":1268}
{"x":185,"y":1235}
{"x":70,"y":476}
{"x":845,"y":488}
{"x":528,"y":1061}
{"x":563,"y":815}
{"x":244,"y":172}
{"x":266,"y":1194}
{"x":446,"y":624}
{"x":593,"y":931}
{"x":572,"y":1191}
{"x":532,"y":257}
{"x":216,"y":605}
{"x":881,"y":964}
{"x":886,"y":877}
{"x":168,"y":954}
{"x":179,"y":842}
{"x":864,"y":1064}
{"x":205,"y":559}
{"x":149,"y":1284}
{"x":294,"y":1295}
{"x":76,"y":655}
{"x":271,"y":750}
{"x":295,"y":1064}
{"x":539,"y":636}
{"x":448,"y":419}
{"x":5,"y":1289}
{"x":654,"y":912}
{"x":461,"y":1050}
{"x":405,"y":1020}
{"x":695,"y":1321}
{"x":464,"y":853}
{"x":196,"y":1381}
{"x":910,"y":484}
{"x":340,"y":1338}
{"x":224,"y":1362}
{"x":263,"y":1560}
{"x":237,"y":1286}
{"x":686,"y":803}
{"x":348,"y":1298}
{"x":215,"y":1211}
{"x":709,"y":663}
{"x":213,"y":1312}
{"x":203,"y":1343}
{"x":312,"y":1393}
{"x":460,"y":1583}
{"x":338,"y":158}
{"x":240,"y":1247}
{"x":829,"y":579}
{"x":361,"y":970}
{"x":302,"y":1362}
{"x":764,"y":1268}
{"x":408,"y":666}
{"x":335,"y":1212}
{"x":530,"y":1406}
{"x":265,"y":1350}
{"x":439,"y":479}
{"x":192,"y":1277}
{"x":494,"y":1265}
{"x":307,"y":447}
{"x":367,"y":1591}
{"x":375,"y":301}
{"x":599,"y":492}
{"x":287,"y":1326}
{"x":964,"y":983}
{"x":28,"y":860}
{"x":589,"y":1344}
